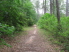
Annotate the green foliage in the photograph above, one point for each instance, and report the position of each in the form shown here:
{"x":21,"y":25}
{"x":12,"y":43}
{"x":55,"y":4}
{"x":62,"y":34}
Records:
{"x":3,"y":42}
{"x":6,"y":29}
{"x":46,"y":22}
{"x":17,"y":13}
{"x":14,"y":14}
{"x":60,"y":32}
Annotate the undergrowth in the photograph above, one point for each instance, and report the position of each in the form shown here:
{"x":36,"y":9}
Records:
{"x":12,"y":35}
{"x":49,"y":23}
{"x":49,"y":37}
{"x":3,"y":42}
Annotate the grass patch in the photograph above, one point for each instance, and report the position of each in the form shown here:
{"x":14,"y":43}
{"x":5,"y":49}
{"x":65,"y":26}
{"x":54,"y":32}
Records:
{"x":46,"y":33}
{"x":62,"y":51}
{"x":57,"y":42}
{"x":49,"y":36}
{"x":28,"y":28}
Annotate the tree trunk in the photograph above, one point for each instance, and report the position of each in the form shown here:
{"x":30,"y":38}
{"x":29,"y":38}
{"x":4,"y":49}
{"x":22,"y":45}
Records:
{"x":51,"y":7}
{"x":37,"y":7}
{"x":58,"y":13}
{"x":66,"y":7}
{"x":45,"y":7}
{"x":59,"y":26}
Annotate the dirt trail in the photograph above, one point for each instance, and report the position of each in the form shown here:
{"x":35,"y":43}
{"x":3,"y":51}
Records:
{"x":33,"y":42}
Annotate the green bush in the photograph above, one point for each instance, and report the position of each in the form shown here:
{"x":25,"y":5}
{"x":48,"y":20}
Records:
{"x":14,"y":15}
{"x":49,"y":22}
{"x":6,"y":29}
{"x":17,"y":13}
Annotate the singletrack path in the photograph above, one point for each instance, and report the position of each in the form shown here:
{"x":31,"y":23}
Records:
{"x":32,"y":42}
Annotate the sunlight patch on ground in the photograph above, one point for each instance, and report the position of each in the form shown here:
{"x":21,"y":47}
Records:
{"x":30,"y":40}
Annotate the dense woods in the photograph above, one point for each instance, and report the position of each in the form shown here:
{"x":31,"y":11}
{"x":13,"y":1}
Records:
{"x":17,"y":14}
{"x":14,"y":14}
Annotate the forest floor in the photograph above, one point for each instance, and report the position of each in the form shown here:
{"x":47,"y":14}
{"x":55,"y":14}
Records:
{"x":31,"y":40}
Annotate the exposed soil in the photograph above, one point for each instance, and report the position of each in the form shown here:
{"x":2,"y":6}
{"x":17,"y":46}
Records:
{"x":32,"y":42}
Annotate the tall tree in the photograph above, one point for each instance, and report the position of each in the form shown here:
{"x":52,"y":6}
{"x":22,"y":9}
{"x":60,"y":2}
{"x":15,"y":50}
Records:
{"x":67,"y":4}
{"x":37,"y":5}
{"x":45,"y":6}
{"x":58,"y":13}
{"x":51,"y":6}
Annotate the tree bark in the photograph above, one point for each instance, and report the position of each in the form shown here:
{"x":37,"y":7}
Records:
{"x":37,"y":8}
{"x":58,"y":13}
{"x":45,"y":7}
{"x":51,"y":6}
{"x":66,"y":7}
